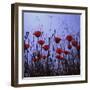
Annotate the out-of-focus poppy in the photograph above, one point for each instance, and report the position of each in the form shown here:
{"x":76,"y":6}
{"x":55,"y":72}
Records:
{"x":26,"y":46}
{"x":46,"y":47}
{"x":59,"y":50}
{"x":69,"y":46}
{"x":66,"y":52}
{"x":69,"y":37}
{"x":59,"y":57}
{"x":78,"y":47}
{"x":74,"y":43}
{"x":37,"y":33}
{"x":57,"y":39}
{"x":41,"y":42}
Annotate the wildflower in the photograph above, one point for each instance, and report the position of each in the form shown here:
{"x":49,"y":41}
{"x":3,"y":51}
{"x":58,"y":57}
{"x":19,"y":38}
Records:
{"x":57,"y":39}
{"x":59,"y":50}
{"x":37,"y":33}
{"x":46,"y":47}
{"x":66,"y":52}
{"x":26,"y":46}
{"x":78,"y":47}
{"x":41,"y":42}
{"x":69,"y":38}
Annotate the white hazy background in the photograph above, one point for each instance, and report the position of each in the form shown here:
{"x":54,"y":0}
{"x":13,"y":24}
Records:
{"x":5,"y":45}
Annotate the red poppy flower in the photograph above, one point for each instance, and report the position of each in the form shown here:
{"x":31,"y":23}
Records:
{"x":78,"y":47}
{"x":59,"y":50}
{"x":26,"y":46}
{"x":41,"y":42}
{"x":37,"y":33}
{"x":69,"y":38}
{"x":74,"y":43}
{"x":69,"y":46}
{"x":46,"y":47}
{"x":59,"y":57}
{"x":66,"y":52}
{"x":57,"y":39}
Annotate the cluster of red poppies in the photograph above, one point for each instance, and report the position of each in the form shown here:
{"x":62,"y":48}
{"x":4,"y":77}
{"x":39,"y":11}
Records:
{"x":73,"y":42}
{"x":59,"y":51}
{"x":41,"y":42}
